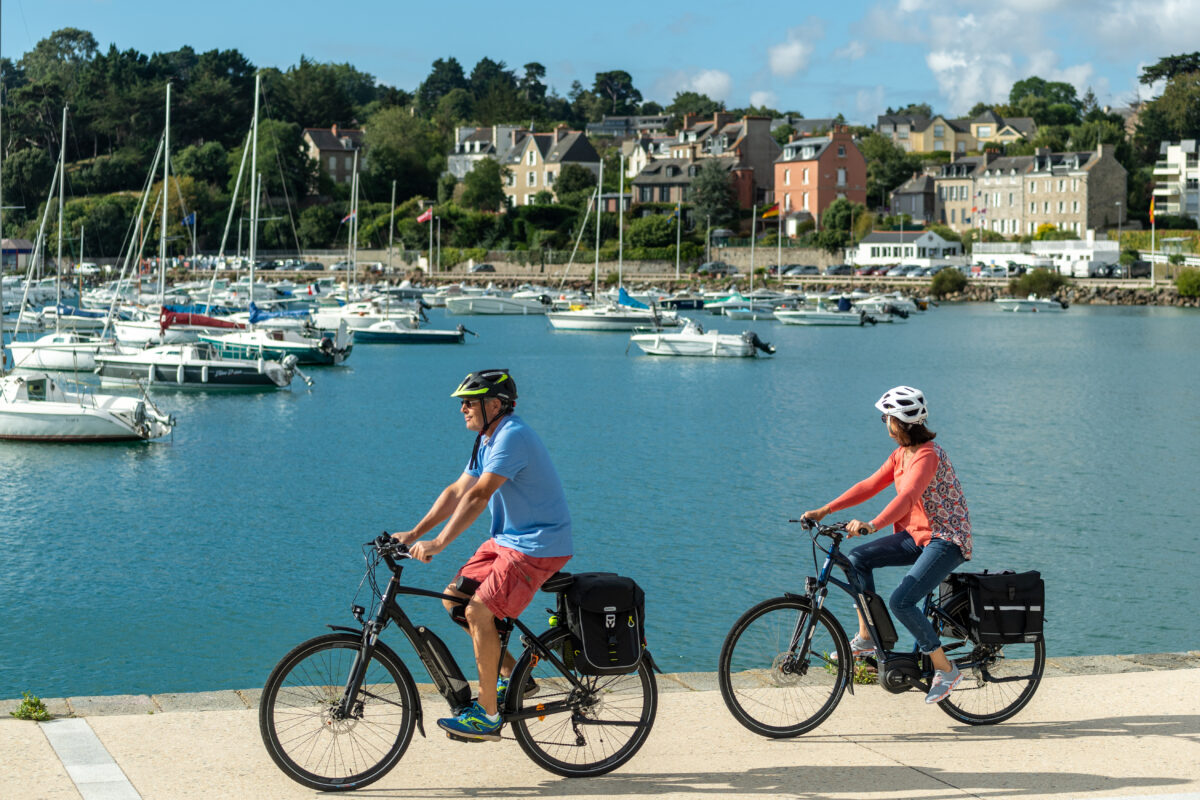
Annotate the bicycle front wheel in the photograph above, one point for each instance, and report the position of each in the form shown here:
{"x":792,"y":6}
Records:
{"x":766,"y":685}
{"x":304,"y":731}
{"x":998,"y":680}
{"x":604,"y":724}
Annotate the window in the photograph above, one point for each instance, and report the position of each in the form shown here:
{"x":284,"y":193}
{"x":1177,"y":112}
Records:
{"x":1033,"y":187}
{"x":804,"y":199}
{"x":901,"y":133}
{"x":841,"y":176}
{"x":841,"y":151}
{"x":1061,"y":206}
{"x":529,"y":158}
{"x":349,"y":162}
{"x":805,"y":176}
{"x":512,"y":179}
{"x":985,"y":132}
{"x":646,"y":194}
{"x":332,"y":163}
{"x":961,"y":147}
{"x":787,"y":202}
{"x":531,"y":178}
{"x":939,"y":131}
{"x":664,"y":194}
{"x":952,"y":216}
{"x":1062,"y":186}
{"x":1046,"y":207}
{"x":1010,"y":198}
{"x":549,"y":178}
{"x":938,"y":144}
{"x":1032,"y":207}
{"x":1075,"y":207}
{"x":787,"y":177}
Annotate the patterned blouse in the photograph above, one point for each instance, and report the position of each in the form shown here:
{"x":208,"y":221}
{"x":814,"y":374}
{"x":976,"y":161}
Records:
{"x":929,"y":500}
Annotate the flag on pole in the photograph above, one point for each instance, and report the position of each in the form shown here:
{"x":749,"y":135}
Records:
{"x":1151,"y":210}
{"x":428,"y":215}
{"x":348,"y":217}
{"x":771,"y":211}
{"x":190,"y":219}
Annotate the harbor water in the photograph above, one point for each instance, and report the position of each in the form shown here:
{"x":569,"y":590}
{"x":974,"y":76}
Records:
{"x":195,"y":563}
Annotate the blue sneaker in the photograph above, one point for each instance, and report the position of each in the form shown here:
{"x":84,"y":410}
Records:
{"x":531,"y":688}
{"x":473,"y":724}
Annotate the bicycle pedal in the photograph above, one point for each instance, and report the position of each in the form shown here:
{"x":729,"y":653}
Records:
{"x":464,"y":739}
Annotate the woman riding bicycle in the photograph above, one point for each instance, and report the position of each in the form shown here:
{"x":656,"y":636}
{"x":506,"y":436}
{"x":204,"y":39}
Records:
{"x":931,"y":528}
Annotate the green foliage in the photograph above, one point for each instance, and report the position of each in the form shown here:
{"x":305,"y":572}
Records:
{"x":317,"y":227}
{"x":483,"y":186}
{"x":611,"y":278}
{"x":1175,"y":258}
{"x":617,"y":86}
{"x":652,"y":231}
{"x":948,"y":281}
{"x":445,"y":187}
{"x":543,"y":197}
{"x":574,"y":178}
{"x":283,"y":161}
{"x":862,"y":673}
{"x":888,"y":166}
{"x":713,"y":195}
{"x":31,"y":708}
{"x":404,"y":148}
{"x":1040,"y":281}
{"x":841,"y":214}
{"x":1188,"y":282}
{"x":946,"y":232}
{"x":1170,"y":66}
{"x":207,"y":162}
{"x":1050,"y":233}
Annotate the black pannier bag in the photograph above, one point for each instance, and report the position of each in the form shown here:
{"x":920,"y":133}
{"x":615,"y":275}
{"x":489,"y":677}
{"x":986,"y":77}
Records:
{"x":606,"y":614}
{"x":1006,"y":607}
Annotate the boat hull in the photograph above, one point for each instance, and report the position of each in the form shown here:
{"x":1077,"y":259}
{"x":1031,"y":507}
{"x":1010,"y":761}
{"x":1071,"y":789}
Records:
{"x":668,"y":344}
{"x":185,"y":376}
{"x":417,"y":336}
{"x":484,"y":304}
{"x":277,"y":351}
{"x":598,"y":321}
{"x":830,"y":318}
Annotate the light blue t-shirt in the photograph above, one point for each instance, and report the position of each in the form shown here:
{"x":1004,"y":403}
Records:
{"x":529,"y":510}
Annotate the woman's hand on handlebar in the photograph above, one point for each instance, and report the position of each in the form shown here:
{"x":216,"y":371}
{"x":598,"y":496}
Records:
{"x":817,"y":514}
{"x":856,"y":528}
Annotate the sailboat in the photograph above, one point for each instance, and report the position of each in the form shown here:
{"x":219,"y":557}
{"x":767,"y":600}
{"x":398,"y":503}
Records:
{"x":625,"y":313}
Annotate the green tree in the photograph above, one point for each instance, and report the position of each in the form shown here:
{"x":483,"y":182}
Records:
{"x":406,"y":149}
{"x":1170,"y":66}
{"x":888,"y":166}
{"x":1039,"y":281}
{"x":1051,"y":91}
{"x":783,"y":134}
{"x":841,"y":214}
{"x":207,"y":162}
{"x":532,"y":90}
{"x":1188,"y":282}
{"x":693,"y":103}
{"x":483,"y":186}
{"x":713,"y":194}
{"x":446,"y":75}
{"x":574,"y":178}
{"x":283,"y":160}
{"x":445,"y":187}
{"x":654,"y":230}
{"x":913,"y":110}
{"x":1180,"y":106}
{"x":317,"y":228}
{"x":617,"y":86}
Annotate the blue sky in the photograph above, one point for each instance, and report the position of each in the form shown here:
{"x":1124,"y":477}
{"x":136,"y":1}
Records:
{"x":819,"y":59}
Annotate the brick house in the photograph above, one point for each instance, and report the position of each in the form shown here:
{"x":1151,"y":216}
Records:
{"x":535,"y":160}
{"x":814,"y":171}
{"x":334,"y":148}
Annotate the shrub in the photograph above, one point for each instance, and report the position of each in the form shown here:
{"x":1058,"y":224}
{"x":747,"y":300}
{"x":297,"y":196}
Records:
{"x":31,"y":708}
{"x":1188,"y":282}
{"x":1040,"y":281}
{"x":948,"y":281}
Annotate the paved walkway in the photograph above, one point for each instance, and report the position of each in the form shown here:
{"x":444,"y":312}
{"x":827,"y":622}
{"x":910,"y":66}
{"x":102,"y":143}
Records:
{"x":1108,"y":734}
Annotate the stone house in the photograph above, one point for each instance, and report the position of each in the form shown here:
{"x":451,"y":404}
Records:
{"x":1000,"y":195}
{"x":626,"y":126}
{"x":334,"y":148}
{"x":1075,"y":191}
{"x":919,"y":134}
{"x":535,"y":160}
{"x":956,"y":192}
{"x":814,"y":171}
{"x":472,"y":145}
{"x":917,"y":197}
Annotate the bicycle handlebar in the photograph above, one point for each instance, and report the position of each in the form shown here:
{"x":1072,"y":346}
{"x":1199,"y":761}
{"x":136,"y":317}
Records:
{"x":836,"y":531}
{"x":388,"y":548}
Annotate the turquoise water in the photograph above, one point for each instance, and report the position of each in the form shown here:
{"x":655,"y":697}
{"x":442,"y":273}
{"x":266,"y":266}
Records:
{"x":195,"y":564}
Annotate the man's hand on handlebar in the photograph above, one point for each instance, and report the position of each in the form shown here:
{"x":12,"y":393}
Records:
{"x":425,"y":551}
{"x":406,"y":537}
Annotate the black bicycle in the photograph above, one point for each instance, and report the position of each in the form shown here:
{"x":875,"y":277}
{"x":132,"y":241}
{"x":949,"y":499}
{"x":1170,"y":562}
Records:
{"x":786,"y":662}
{"x":339,"y":710}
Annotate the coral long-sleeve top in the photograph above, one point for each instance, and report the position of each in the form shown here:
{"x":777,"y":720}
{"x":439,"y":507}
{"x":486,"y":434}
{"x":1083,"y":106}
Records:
{"x":929,"y":500}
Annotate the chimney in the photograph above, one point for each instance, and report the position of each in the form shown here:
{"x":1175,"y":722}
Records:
{"x":333,"y":130}
{"x":721,"y":119}
{"x":689,"y":120}
{"x":561,"y":132}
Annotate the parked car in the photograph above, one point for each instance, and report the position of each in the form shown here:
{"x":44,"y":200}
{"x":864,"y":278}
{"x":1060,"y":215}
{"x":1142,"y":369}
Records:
{"x":716,"y":268}
{"x":341,"y":266}
{"x":1139,"y":269}
{"x":482,"y":268}
{"x":897,"y":271}
{"x":839,"y":269}
{"x":801,"y":269}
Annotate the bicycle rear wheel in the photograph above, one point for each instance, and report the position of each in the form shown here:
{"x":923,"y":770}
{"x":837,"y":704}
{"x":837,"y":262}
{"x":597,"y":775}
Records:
{"x":998,"y":680}
{"x":765,"y":686}
{"x":303,"y":732}
{"x":607,"y":722}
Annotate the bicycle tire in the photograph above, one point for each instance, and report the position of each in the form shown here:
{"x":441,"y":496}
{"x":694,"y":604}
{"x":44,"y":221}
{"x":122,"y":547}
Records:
{"x":581,"y":744}
{"x":998,"y":680}
{"x":308,"y":743}
{"x":762,"y":690}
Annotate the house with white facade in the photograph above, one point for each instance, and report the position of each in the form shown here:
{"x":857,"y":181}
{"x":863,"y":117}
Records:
{"x":924,"y":248}
{"x":1177,"y":180}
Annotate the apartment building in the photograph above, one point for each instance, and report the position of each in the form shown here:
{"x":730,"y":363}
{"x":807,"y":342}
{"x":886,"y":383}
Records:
{"x":1177,"y":180}
{"x":814,"y":171}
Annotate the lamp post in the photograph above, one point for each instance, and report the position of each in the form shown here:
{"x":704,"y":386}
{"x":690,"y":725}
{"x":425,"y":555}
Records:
{"x":1119,"y":221}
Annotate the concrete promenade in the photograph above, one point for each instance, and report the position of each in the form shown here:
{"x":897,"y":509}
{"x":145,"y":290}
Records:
{"x":1101,"y":727}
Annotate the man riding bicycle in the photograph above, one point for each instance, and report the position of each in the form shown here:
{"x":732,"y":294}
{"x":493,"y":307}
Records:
{"x":511,"y":474}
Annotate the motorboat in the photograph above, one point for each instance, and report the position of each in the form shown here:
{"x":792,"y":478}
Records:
{"x":497,"y":304}
{"x":895,"y":303}
{"x":275,"y":344}
{"x":1031,"y":303}
{"x":194,"y":365}
{"x":821,"y":314}
{"x":35,"y":407}
{"x":63,"y":350}
{"x":683,"y":301}
{"x":62,"y":317}
{"x":389,"y":331}
{"x":693,"y":340}
{"x":170,"y":327}
{"x":624,"y":315}
{"x":754,"y":311}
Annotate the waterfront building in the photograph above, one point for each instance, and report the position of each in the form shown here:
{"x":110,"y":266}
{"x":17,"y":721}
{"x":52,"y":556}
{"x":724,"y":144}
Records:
{"x":917,"y":197}
{"x":333,"y":148}
{"x":924,"y":248}
{"x":813,"y":171}
{"x":535,"y":160}
{"x":1177,"y":180}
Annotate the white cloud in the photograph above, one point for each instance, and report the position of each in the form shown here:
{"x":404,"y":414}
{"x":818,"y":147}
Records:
{"x":791,"y":56}
{"x":869,"y":103}
{"x":715,"y":83}
{"x":762,"y":98}
{"x":853,"y":50}
{"x":965,"y":78}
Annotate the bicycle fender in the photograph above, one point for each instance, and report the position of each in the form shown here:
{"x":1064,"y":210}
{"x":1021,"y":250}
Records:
{"x":650,"y":659}
{"x":344,"y":629}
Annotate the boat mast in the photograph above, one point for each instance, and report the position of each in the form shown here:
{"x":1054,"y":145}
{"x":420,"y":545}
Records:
{"x":3,"y":352}
{"x":753,"y":232}
{"x":62,"y":159}
{"x":354,"y":228}
{"x":391,"y":227}
{"x":255,"y":188}
{"x":621,"y":224}
{"x":162,"y":231}
{"x":599,"y":211}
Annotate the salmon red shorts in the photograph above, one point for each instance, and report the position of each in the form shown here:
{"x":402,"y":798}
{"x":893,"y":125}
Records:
{"x":508,"y":579}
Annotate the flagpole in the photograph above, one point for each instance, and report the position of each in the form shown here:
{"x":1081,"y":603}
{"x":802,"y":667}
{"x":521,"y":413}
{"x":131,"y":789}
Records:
{"x":779,"y":246}
{"x":753,"y":231}
{"x":1152,"y":242}
{"x":429,"y":260}
{"x":678,"y":227}
{"x":599,"y":211}
{"x":391,"y":227}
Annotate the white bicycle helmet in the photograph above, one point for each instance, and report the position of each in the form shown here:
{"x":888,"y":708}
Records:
{"x":904,"y":403}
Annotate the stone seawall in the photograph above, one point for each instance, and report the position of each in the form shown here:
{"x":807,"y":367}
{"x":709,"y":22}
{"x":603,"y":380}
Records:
{"x":1075,"y":294}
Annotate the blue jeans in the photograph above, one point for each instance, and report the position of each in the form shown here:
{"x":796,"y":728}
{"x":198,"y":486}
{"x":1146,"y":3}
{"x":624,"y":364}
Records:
{"x":930,"y":564}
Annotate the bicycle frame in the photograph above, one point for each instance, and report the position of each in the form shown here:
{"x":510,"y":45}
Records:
{"x":389,"y":610}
